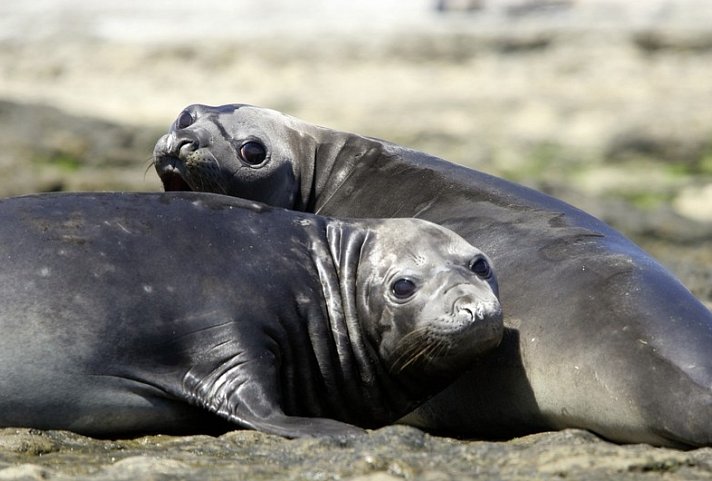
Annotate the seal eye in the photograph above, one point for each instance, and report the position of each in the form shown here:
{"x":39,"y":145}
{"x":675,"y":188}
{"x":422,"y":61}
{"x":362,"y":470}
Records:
{"x":253,"y":153}
{"x":481,"y":268}
{"x":185,"y":119}
{"x":403,"y":288}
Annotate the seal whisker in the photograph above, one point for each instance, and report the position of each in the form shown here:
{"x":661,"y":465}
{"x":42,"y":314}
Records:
{"x":407,"y":351}
{"x":411,"y":339}
{"x":427,"y":351}
{"x":151,"y":163}
{"x":412,"y":348}
{"x":222,"y":188}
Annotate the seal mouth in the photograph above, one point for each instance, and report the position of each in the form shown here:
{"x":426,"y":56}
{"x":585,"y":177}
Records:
{"x":173,"y":182}
{"x":451,"y":339}
{"x":481,"y":321}
{"x":170,"y":175}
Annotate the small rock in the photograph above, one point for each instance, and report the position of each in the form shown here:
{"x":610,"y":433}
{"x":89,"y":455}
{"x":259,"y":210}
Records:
{"x":143,"y":467}
{"x":26,"y":441}
{"x":379,"y":476}
{"x":695,"y":202}
{"x":24,"y":472}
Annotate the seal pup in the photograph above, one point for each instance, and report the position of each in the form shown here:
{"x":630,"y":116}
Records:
{"x":598,"y":334}
{"x":132,"y":313}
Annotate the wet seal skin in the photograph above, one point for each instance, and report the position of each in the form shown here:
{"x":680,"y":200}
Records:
{"x":193,"y":312}
{"x":598,"y":334}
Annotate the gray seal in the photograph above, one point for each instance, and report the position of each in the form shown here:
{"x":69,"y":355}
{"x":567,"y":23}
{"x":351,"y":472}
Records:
{"x":598,"y":335}
{"x":131,"y":313}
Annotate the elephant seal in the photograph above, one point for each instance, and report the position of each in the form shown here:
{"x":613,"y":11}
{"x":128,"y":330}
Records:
{"x":598,"y":335}
{"x":128,"y":313}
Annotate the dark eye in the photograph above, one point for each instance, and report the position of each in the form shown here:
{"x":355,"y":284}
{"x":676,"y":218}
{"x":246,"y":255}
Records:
{"x":185,"y":119}
{"x":481,"y":267}
{"x":253,"y":153}
{"x":403,"y":288}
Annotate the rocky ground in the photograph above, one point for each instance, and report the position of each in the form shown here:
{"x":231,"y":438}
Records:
{"x":388,"y":454}
{"x":614,"y":120}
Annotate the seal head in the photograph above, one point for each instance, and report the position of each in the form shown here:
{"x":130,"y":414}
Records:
{"x":213,"y":150}
{"x":430,"y":297}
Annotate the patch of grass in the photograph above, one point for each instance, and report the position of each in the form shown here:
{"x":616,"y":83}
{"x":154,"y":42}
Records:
{"x":705,"y":164}
{"x":544,"y":161}
{"x":646,"y":200}
{"x":678,"y":170}
{"x":67,"y":163}
{"x":62,"y":161}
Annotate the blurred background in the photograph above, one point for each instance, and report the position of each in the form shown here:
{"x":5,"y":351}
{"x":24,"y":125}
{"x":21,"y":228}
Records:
{"x":604,"y":103}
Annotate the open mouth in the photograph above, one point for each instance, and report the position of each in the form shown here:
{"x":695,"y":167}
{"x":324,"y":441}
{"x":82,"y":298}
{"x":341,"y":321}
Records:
{"x":173,"y":181}
{"x":170,"y":175}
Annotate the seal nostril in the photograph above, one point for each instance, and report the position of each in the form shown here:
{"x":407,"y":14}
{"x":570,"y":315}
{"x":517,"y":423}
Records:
{"x":185,"y":146}
{"x":177,"y":145}
{"x":472,"y":312}
{"x":466,"y":314}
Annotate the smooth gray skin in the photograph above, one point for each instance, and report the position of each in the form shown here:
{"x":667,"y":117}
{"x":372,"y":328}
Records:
{"x":598,"y":335}
{"x":128,"y":313}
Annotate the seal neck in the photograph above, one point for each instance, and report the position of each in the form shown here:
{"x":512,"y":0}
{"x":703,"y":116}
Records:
{"x":346,"y":243}
{"x":371,"y":395}
{"x":337,"y":156}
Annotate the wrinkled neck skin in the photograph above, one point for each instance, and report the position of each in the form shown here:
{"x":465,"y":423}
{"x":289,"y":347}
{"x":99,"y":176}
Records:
{"x":376,"y":397}
{"x":335,"y":156}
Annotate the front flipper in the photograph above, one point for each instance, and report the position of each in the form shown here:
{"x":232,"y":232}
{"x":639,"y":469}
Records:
{"x":297,"y":426}
{"x":246,"y":392}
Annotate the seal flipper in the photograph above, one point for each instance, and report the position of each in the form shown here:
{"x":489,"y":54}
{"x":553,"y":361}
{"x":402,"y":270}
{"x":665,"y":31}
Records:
{"x":246,"y":392}
{"x":297,"y":426}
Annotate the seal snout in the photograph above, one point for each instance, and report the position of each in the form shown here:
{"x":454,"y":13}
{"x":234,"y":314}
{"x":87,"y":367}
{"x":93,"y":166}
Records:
{"x":472,"y":303}
{"x":167,"y":160}
{"x":184,"y":147}
{"x":469,"y":312}
{"x":177,"y":145}
{"x":476,"y":313}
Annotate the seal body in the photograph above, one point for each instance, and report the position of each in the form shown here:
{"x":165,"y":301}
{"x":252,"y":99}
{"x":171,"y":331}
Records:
{"x":127,"y":313}
{"x":598,"y":335}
